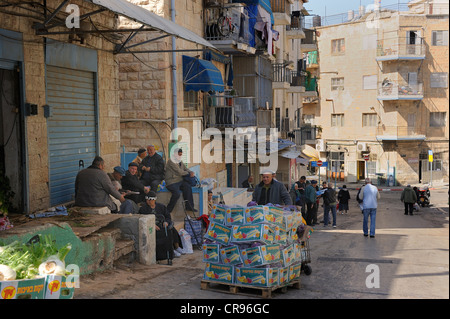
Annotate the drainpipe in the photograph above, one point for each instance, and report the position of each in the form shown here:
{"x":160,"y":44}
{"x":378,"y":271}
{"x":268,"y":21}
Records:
{"x":174,"y":71}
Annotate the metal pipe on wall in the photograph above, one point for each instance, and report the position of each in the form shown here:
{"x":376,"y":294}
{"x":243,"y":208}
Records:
{"x":174,"y":70}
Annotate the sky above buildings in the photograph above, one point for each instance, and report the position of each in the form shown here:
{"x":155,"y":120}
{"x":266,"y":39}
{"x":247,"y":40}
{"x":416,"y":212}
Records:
{"x":331,"y":7}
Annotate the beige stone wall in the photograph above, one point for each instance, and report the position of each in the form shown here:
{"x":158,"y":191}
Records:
{"x":34,"y":90}
{"x":358,"y":61}
{"x":145,"y":82}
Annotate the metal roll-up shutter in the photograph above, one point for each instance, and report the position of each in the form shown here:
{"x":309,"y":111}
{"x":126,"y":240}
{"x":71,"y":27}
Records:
{"x":72,"y":133}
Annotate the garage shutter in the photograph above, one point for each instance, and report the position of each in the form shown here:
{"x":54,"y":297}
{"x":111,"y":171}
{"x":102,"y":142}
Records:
{"x":71,"y":128}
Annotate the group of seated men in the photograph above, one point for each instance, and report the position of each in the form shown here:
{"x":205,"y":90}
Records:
{"x":123,"y":191}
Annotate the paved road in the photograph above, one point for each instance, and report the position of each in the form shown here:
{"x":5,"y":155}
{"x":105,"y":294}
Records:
{"x":410,"y":254}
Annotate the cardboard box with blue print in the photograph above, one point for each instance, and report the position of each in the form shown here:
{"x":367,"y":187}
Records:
{"x":262,"y":233}
{"x":218,"y":233}
{"x":230,"y":255}
{"x":264,"y":214}
{"x":211,"y":253}
{"x":235,"y":216}
{"x":218,"y":214}
{"x":258,"y":277}
{"x":219,"y":273}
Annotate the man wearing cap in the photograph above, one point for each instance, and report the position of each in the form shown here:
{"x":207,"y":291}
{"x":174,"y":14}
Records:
{"x":93,"y":187}
{"x":271,"y":191}
{"x":167,"y":238}
{"x":116,"y":177}
{"x":128,"y":206}
{"x":131,"y":182}
{"x":152,"y":168}
{"x":175,"y":172}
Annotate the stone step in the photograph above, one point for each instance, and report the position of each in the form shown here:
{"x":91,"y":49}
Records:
{"x":123,"y":247}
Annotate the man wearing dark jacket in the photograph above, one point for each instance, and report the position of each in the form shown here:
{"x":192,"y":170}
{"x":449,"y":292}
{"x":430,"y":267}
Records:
{"x":152,"y":168}
{"x":93,"y":187}
{"x":271,"y":191}
{"x":167,"y":238}
{"x":131,"y":182}
{"x":329,"y":203}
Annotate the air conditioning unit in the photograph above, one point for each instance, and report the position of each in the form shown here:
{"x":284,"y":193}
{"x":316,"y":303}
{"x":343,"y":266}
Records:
{"x":321,"y":145}
{"x":361,"y":147}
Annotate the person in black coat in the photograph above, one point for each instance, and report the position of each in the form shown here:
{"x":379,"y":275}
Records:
{"x":131,"y":182}
{"x":152,"y":168}
{"x":343,"y":198}
{"x":168,"y":241}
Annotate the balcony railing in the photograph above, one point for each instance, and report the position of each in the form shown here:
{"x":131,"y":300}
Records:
{"x":281,"y":73}
{"x":400,"y":49}
{"x":230,"y":111}
{"x":398,"y":132}
{"x":388,"y":90}
{"x":297,"y":79}
{"x":280,"y":6}
{"x":226,"y":23}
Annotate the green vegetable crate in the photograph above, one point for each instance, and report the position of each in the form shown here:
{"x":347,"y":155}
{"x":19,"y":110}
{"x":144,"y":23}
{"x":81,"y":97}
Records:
{"x":58,"y":287}
{"x":22,"y":289}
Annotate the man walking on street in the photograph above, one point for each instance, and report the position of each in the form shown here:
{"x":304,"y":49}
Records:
{"x":329,"y":204}
{"x":310,"y":201}
{"x":369,"y":196}
{"x":408,"y":197}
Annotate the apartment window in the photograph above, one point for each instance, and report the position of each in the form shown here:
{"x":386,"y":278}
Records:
{"x":308,"y":119}
{"x":439,"y":80}
{"x":440,"y":38}
{"x":437,"y":119}
{"x":369,"y":119}
{"x":191,"y":101}
{"x":337,"y":120}
{"x":337,"y":84}
{"x":338,"y":46}
{"x":370,"y":82}
{"x":371,"y":168}
{"x":337,"y":161}
{"x":278,"y":118}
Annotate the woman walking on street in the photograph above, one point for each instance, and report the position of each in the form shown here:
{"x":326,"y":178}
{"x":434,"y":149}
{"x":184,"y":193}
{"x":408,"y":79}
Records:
{"x":343,"y":198}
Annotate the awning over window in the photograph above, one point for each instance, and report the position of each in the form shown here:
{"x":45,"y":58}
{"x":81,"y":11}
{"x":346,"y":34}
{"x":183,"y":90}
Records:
{"x":310,"y":152}
{"x":201,"y":75}
{"x":141,"y":15}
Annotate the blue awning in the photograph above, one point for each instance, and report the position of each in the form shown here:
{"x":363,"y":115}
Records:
{"x":201,"y":75}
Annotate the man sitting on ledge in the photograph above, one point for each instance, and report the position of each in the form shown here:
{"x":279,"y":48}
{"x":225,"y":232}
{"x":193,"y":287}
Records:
{"x":93,"y":187}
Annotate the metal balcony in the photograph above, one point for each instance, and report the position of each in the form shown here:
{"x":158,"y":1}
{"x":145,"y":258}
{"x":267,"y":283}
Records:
{"x":393,"y":91}
{"x":400,"y":49}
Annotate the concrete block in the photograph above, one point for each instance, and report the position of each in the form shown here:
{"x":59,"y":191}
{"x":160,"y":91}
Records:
{"x":94,"y":210}
{"x":140,"y":228}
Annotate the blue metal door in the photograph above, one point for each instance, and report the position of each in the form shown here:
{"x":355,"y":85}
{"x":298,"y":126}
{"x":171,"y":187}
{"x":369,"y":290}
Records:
{"x":72,"y":136}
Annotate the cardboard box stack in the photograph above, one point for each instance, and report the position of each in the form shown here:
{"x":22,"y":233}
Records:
{"x":255,"y":246}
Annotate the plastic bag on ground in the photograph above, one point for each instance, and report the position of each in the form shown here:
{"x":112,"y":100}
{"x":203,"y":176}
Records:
{"x":186,"y":241}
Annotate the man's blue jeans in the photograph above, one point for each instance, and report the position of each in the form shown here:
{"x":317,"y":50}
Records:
{"x":326,"y":214}
{"x":372,"y":212}
{"x":176,"y":189}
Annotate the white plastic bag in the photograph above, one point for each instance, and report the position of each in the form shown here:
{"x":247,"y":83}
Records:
{"x":186,"y":241}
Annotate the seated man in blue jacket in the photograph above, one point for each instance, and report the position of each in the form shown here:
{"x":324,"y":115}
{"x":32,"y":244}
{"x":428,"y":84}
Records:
{"x":271,"y":191}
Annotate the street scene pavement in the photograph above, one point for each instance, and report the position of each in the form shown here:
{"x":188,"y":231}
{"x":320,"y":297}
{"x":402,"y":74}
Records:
{"x":407,"y":259}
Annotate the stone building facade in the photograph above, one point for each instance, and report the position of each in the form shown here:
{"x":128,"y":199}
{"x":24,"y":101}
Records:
{"x":30,"y":55}
{"x":384,"y":94}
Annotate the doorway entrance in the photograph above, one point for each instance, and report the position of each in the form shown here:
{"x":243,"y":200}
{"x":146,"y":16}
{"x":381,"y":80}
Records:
{"x":11,"y":137}
{"x":361,"y":170}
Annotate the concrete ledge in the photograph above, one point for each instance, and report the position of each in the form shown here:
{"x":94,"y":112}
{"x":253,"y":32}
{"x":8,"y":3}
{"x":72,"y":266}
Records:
{"x":93,"y":210}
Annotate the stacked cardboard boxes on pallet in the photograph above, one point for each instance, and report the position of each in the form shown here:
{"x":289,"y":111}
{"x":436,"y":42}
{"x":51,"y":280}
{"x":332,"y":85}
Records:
{"x":254,"y":246}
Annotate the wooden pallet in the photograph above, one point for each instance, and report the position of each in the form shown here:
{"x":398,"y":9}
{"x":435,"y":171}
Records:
{"x":237,"y":289}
